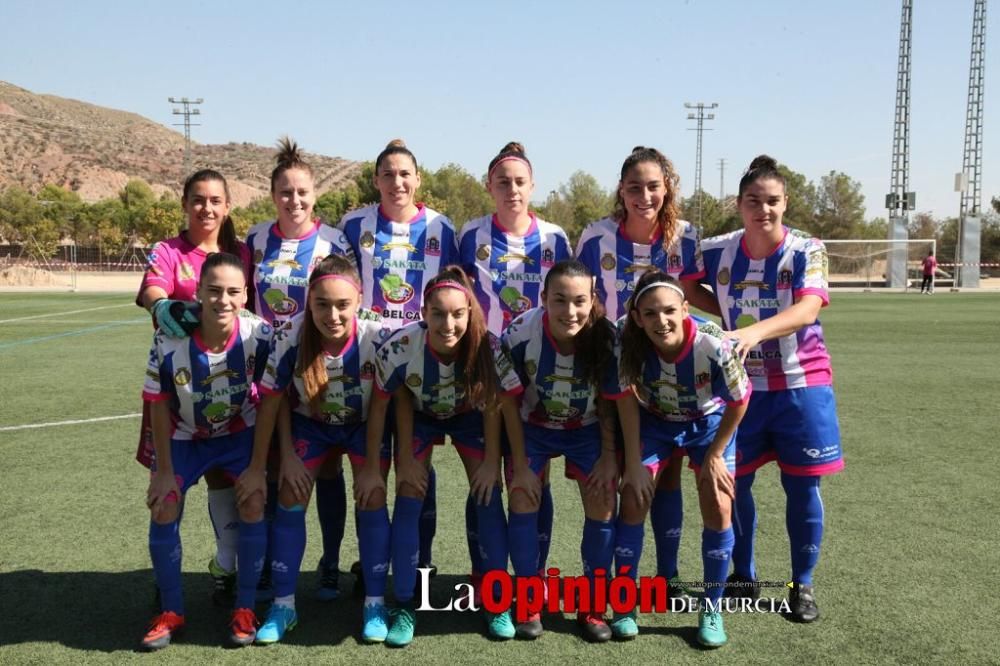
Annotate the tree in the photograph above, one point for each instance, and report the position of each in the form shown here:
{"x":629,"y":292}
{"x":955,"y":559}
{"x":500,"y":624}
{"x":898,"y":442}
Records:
{"x":801,"y":210}
{"x":258,"y":210}
{"x":577,"y":203}
{"x":717,"y":217}
{"x":840,"y":207}
{"x":456,"y":193}
{"x":64,"y":209}
{"x":19,"y":214}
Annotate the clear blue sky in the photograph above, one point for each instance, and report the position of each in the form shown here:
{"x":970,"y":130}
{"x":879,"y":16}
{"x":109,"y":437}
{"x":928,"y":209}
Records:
{"x":579,"y":83}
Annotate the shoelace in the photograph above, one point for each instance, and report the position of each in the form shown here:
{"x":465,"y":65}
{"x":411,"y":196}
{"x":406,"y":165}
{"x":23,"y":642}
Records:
{"x":403,"y":618}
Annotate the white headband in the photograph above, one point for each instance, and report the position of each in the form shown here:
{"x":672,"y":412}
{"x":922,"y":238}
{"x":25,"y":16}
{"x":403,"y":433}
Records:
{"x":653,"y":285}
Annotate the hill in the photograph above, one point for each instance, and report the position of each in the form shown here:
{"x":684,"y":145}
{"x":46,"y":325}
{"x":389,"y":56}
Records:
{"x":94,"y":151}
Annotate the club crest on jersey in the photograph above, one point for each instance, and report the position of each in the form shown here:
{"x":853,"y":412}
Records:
{"x":185,"y":271}
{"x":406,"y":245}
{"x":258,"y":256}
{"x":433,"y":247}
{"x":367,"y":371}
{"x":702,"y":379}
{"x":483,"y":252}
{"x":784,"y":279}
{"x":367,"y":240}
{"x":290,"y":263}
{"x":414,"y":380}
{"x":182,"y":377}
{"x":279,"y":302}
{"x":228,"y":373}
{"x":548,"y":257}
{"x":608,"y":262}
{"x":511,"y":256}
{"x":395,"y":289}
{"x":746,"y":284}
{"x":723,"y":276}
{"x":674,"y":261}
{"x":251,"y":362}
{"x":530,"y":367}
{"x":639,"y":268}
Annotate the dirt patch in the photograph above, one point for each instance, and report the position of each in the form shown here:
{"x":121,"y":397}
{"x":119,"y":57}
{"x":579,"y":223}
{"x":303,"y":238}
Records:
{"x":26,"y":276}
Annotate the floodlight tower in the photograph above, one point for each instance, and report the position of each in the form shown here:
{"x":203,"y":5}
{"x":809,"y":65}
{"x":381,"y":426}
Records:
{"x":700,"y":116}
{"x":900,"y":200}
{"x":187,"y":112}
{"x":969,"y":182}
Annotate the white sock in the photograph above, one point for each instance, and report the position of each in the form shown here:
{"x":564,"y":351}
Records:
{"x":286,"y":601}
{"x":226,"y":523}
{"x":374,"y":601}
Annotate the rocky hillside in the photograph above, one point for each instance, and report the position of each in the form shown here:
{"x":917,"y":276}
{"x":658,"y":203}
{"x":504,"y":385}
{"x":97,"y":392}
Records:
{"x":94,"y":151}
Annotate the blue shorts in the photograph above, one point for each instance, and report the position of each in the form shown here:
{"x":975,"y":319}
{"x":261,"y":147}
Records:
{"x":192,"y":458}
{"x":465,"y":429}
{"x":580,"y":446}
{"x":661,"y":440}
{"x":796,"y":427}
{"x":315,"y":441}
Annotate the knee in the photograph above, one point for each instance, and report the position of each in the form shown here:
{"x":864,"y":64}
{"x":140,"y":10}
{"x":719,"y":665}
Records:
{"x":376,"y":500}
{"x":168,"y":513}
{"x":521,"y":502}
{"x":633,"y":511}
{"x":252,"y":509}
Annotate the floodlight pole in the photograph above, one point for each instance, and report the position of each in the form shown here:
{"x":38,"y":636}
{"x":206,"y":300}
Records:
{"x":187,"y":112}
{"x":967,"y":242}
{"x":900,"y":200}
{"x":701,"y":117}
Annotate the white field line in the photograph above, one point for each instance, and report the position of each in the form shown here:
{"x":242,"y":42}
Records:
{"x":57,"y":314}
{"x":64,"y":423}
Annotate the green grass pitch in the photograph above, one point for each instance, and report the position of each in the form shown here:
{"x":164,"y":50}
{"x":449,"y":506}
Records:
{"x":907,"y":573}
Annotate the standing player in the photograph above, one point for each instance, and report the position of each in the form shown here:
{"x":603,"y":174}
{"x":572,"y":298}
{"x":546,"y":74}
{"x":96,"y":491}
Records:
{"x":168,"y":293}
{"x":284,"y":253}
{"x":448,"y":376}
{"x":325,"y":360}
{"x":509,"y":253}
{"x":928,"y":266}
{"x":771,"y":282}
{"x":645,"y":233}
{"x":400,"y":243}
{"x":563,"y":353}
{"x":693,"y":392}
{"x":202,"y":391}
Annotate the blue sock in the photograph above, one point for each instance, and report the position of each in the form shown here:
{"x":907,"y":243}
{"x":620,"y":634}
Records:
{"x":716,"y":550}
{"x":597,"y":546}
{"x":405,"y":546}
{"x":331,"y":508}
{"x":165,"y":551}
{"x":270,"y":509}
{"x":428,"y":518}
{"x":666,"y":516}
{"x":288,"y":544}
{"x":522,"y":537}
{"x":472,"y":534}
{"x":628,"y":547}
{"x":744,"y":526}
{"x":250,"y":555}
{"x":804,"y":520}
{"x":546,"y":514}
{"x":373,"y":545}
{"x":492,"y":533}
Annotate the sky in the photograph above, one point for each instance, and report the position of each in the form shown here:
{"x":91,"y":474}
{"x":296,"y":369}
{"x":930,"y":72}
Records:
{"x":578,"y":83}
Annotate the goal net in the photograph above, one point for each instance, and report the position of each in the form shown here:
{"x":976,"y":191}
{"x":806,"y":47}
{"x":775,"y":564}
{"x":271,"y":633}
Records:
{"x":864,"y":263}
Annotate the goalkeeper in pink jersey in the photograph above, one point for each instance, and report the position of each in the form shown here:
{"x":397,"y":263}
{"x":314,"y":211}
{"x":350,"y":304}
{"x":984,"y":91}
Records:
{"x":168,"y":292}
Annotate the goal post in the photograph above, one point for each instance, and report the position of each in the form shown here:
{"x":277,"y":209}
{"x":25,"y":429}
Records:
{"x":864,"y":263}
